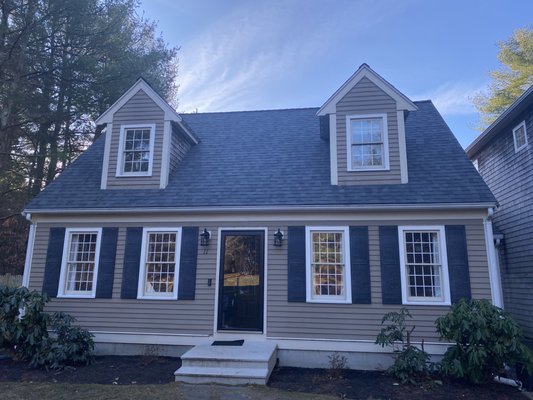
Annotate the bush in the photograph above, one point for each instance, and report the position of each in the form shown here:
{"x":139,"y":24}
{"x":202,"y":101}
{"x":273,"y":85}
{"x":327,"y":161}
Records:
{"x":485,"y":338}
{"x":37,"y":337}
{"x":410,"y":363}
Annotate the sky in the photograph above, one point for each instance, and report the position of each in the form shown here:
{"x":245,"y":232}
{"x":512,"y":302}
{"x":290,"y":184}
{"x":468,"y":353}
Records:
{"x":269,"y":54}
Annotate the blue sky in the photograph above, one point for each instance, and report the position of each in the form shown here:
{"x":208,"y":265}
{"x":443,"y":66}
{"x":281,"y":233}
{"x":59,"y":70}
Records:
{"x":251,"y":55}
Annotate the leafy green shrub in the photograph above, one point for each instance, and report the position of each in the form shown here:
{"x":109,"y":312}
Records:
{"x":485,"y":338}
{"x":410,"y":363}
{"x":40,"y":338}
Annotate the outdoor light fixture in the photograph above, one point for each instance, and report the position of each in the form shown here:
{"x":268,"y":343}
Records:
{"x":204,"y":238}
{"x":278,"y":238}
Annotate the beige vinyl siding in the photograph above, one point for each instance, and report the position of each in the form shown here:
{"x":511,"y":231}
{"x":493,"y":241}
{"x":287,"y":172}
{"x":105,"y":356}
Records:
{"x":284,"y":319}
{"x":178,"y":148}
{"x":140,"y":109}
{"x":367,"y":98}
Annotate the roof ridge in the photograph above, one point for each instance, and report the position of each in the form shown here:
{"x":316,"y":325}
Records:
{"x":250,"y":111}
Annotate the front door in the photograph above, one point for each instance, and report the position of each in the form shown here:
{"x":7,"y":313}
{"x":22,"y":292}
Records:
{"x":240,"y":295}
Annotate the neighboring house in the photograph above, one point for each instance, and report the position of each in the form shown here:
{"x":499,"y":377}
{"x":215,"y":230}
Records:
{"x":296,"y":227}
{"x":503,"y":154}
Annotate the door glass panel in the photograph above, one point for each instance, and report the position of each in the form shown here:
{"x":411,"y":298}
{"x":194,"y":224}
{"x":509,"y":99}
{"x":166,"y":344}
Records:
{"x":241,"y":290}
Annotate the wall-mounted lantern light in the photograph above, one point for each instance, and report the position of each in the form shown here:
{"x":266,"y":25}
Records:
{"x":278,"y":238}
{"x":204,"y":238}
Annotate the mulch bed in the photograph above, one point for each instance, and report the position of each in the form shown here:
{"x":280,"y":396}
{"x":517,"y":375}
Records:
{"x":131,"y":370}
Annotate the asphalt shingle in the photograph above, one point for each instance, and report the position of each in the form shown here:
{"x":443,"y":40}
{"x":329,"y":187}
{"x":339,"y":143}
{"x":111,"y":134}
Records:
{"x":277,"y":157}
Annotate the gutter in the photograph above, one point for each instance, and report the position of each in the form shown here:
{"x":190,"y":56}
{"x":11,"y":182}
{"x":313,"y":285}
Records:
{"x":229,"y":209}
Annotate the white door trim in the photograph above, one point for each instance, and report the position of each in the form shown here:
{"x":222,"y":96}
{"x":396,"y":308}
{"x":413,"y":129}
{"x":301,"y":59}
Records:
{"x":228,"y":335}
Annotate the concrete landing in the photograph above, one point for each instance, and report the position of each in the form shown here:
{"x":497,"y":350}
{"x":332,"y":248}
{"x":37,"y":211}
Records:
{"x":251,"y":363}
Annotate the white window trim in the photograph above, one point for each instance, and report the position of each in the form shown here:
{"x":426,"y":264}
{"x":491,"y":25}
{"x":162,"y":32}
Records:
{"x":120,"y":159}
{"x":520,"y":125}
{"x":142,"y":264}
{"x":385,"y":166}
{"x":347,"y":266}
{"x":444,"y":262}
{"x":61,"y":293}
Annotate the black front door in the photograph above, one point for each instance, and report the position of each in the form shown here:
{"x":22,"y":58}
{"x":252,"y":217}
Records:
{"x":240,"y":295}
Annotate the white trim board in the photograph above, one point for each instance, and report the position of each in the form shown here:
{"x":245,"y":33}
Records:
{"x":404,"y":172}
{"x":107,"y":154}
{"x":224,"y":335}
{"x":333,"y":167}
{"x":29,"y":256}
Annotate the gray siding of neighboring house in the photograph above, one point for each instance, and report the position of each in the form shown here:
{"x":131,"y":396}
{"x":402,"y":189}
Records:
{"x":178,"y":148}
{"x":140,"y":109}
{"x":509,"y":176}
{"x":284,"y":319}
{"x":367,"y":98}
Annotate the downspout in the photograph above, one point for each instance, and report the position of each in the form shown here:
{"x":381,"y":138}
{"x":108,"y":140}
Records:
{"x":492,"y":260}
{"x":29,"y":251}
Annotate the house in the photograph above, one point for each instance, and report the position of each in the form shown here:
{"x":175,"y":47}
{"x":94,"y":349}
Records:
{"x":503,"y":154}
{"x":295,"y":228}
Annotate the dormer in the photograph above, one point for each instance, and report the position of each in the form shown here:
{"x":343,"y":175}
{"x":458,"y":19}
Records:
{"x":367,"y":131}
{"x":145,"y":140}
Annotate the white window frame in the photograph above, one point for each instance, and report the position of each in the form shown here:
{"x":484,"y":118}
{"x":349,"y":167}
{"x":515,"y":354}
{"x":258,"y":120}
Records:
{"x":62,"y":292}
{"x":516,"y":128}
{"x":120,"y":158}
{"x":310,"y":298}
{"x":385,"y":166}
{"x":445,"y":279}
{"x":142,"y":264}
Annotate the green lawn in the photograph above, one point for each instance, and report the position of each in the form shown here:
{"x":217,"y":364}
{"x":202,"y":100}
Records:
{"x":174,"y":391}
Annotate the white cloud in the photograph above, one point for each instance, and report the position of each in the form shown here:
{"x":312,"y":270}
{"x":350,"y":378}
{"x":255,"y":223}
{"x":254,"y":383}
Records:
{"x":454,"y":98}
{"x":231,"y":62}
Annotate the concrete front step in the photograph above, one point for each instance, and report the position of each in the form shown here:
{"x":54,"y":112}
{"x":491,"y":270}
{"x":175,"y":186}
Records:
{"x":250,"y":363}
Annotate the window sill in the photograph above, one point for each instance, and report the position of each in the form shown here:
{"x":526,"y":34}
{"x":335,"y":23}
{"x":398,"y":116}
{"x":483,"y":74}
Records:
{"x":76,"y":296}
{"x":380,"y":169}
{"x":427,"y":303}
{"x":133,"y":175}
{"x":157,"y":297}
{"x":329,"y":301}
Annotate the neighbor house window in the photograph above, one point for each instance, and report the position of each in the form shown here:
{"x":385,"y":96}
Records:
{"x":79,"y":267}
{"x":159,"y":263}
{"x":136,"y":150}
{"x":367,"y":142}
{"x":520,"y":136}
{"x":424,"y":268}
{"x":328,"y":265}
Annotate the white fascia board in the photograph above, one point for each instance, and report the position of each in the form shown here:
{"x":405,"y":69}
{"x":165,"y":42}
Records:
{"x":170,"y":113}
{"x":402,"y":101}
{"x":333,"y":208}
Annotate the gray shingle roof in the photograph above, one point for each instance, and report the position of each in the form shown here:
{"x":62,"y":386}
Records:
{"x":277,"y":158}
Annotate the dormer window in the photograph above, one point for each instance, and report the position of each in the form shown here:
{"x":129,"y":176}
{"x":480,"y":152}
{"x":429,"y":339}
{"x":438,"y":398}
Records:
{"x":367,"y":142}
{"x":136,"y":150}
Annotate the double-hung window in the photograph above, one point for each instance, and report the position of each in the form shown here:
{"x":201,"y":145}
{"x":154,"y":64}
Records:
{"x":424,"y":270}
{"x":328,"y":265}
{"x":160,"y":253}
{"x":79,"y":267}
{"x":367,"y":142}
{"x":136,"y":150}
{"x":520,"y":136}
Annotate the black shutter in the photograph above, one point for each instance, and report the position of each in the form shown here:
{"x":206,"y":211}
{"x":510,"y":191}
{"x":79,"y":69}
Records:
{"x":458,"y":269}
{"x":54,"y":255}
{"x":360,"y":265}
{"x":188,"y":261}
{"x":132,"y":258}
{"x":106,"y":263}
{"x":391,"y":286}
{"x":296,"y":264}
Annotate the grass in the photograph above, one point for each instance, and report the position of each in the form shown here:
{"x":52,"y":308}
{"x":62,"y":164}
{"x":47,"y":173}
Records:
{"x":174,"y":391}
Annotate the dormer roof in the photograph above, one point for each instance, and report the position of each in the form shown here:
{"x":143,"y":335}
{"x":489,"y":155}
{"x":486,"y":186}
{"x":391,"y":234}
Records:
{"x":141,"y":84}
{"x":364,"y":71}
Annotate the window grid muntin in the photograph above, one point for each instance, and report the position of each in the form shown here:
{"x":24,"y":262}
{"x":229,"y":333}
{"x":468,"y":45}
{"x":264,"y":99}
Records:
{"x":136,"y":152}
{"x":160,"y":263}
{"x":367,"y":142}
{"x":80,"y":264}
{"x":328,"y":274}
{"x":423,"y":264}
